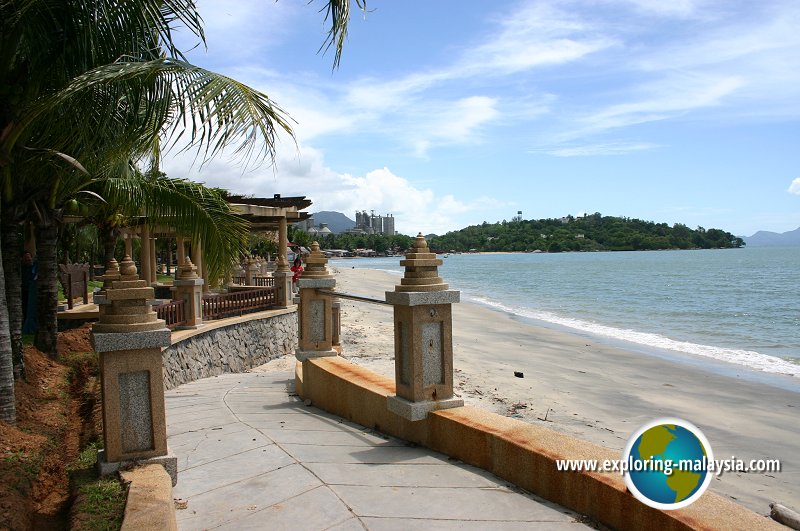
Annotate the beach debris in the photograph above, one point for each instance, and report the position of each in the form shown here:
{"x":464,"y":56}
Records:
{"x":514,"y":409}
{"x":519,"y":374}
{"x":784,"y":515}
{"x":307,"y":402}
{"x":545,"y":415}
{"x":180,"y":503}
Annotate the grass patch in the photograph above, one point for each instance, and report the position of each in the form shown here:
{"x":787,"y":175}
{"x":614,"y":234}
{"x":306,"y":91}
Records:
{"x":99,"y":501}
{"x":102,"y":505}
{"x":87,"y":459}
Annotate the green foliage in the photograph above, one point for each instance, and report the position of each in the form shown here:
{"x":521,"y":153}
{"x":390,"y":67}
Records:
{"x":380,"y":243}
{"x":102,"y":504}
{"x":588,"y":233}
{"x":261,"y":245}
{"x":87,"y":459}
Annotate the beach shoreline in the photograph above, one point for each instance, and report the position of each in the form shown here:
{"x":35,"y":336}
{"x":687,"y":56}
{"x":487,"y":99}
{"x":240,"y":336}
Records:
{"x":595,"y":390}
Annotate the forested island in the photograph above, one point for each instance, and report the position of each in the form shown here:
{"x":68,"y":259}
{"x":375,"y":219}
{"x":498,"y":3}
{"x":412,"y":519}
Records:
{"x":593,"y":232}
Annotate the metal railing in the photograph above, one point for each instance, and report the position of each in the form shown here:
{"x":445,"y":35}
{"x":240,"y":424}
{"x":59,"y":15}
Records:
{"x":350,"y":296}
{"x":240,"y":302}
{"x":174,"y":313}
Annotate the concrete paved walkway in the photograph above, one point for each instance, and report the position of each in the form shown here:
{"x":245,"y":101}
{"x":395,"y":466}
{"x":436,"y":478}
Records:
{"x":251,"y":455}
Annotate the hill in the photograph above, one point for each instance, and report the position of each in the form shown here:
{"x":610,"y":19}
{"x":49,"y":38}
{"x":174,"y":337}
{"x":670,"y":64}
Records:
{"x":764,"y":238}
{"x":588,"y":233}
{"x":336,"y":221}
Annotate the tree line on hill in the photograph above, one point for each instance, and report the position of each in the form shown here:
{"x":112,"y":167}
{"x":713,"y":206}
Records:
{"x":593,"y":232}
{"x":381,"y":243}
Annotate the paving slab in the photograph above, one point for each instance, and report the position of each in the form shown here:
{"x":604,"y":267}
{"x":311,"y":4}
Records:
{"x":404,"y":475}
{"x":215,"y":446}
{"x":501,"y":504}
{"x":252,"y":456}
{"x":406,"y":524}
{"x":363,"y":455}
{"x":332,"y":438}
{"x":231,"y":469}
{"x":237,"y":501}
{"x":316,"y":509}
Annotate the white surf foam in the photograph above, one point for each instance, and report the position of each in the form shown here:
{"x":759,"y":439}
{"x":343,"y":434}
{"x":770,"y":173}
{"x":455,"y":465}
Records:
{"x":749,"y":358}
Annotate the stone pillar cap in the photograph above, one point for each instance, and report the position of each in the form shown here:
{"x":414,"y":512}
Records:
{"x":188,"y":269}
{"x":127,"y":269}
{"x":316,"y":264}
{"x":111,"y":274}
{"x":422,"y":272}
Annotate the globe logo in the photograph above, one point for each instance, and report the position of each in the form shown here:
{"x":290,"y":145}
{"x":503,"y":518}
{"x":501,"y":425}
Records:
{"x":668,"y":463}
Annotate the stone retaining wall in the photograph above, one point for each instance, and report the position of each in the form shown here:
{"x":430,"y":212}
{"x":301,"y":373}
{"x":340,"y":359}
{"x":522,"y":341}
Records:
{"x":229,"y":348}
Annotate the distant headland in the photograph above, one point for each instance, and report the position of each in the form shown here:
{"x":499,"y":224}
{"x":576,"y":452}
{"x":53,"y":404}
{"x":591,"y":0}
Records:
{"x":592,"y":232}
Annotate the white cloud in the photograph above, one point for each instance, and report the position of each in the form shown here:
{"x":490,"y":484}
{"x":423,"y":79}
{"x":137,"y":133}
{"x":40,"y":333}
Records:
{"x":303,"y":172}
{"x":242,"y":30}
{"x":669,"y":98}
{"x":536,"y":35}
{"x":794,"y":188}
{"x":673,"y":8}
{"x":454,"y":123}
{"x":589,"y":150}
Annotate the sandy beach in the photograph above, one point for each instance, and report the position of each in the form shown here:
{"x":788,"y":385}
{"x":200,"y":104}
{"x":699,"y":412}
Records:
{"x":594,"y":391}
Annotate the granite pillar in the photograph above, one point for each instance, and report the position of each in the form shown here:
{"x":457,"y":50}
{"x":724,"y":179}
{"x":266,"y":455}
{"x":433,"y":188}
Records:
{"x":128,"y":339}
{"x":315,"y":320}
{"x":188,"y":287}
{"x":423,"y":337}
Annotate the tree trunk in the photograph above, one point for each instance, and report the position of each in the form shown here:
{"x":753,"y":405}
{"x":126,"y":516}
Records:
{"x":12,"y":246}
{"x":47,"y":284}
{"x":8,"y":406}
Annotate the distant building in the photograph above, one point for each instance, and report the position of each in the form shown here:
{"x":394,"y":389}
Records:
{"x":314,"y":230}
{"x":369,"y":223}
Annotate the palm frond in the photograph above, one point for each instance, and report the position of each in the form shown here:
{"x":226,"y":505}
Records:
{"x":192,"y":209}
{"x":337,"y":13}
{"x":128,"y":101}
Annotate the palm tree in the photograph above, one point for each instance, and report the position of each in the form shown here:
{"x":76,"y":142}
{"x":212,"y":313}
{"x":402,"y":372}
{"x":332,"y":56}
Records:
{"x":100,"y":80}
{"x":8,"y":410}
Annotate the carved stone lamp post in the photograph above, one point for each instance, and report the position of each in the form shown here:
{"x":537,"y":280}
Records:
{"x":423,"y":337}
{"x":189,"y":288}
{"x":128,"y":339}
{"x":315,"y":316}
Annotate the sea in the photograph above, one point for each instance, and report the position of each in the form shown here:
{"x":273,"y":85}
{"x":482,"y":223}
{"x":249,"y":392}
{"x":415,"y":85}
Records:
{"x":740,"y":307}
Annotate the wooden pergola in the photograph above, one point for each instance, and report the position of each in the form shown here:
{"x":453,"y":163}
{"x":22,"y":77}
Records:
{"x":262,"y":213}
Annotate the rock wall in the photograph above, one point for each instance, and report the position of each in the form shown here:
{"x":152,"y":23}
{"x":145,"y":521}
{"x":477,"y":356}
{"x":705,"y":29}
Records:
{"x":230,"y":349}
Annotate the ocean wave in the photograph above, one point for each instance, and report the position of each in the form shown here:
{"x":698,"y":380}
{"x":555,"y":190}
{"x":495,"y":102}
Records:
{"x":748,"y":358}
{"x":394,"y":272}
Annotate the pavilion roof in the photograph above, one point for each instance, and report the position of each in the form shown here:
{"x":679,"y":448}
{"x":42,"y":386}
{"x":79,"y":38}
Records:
{"x":298,"y":202}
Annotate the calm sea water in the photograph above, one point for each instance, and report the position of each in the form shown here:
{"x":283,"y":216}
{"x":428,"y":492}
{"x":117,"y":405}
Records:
{"x":737,"y":305}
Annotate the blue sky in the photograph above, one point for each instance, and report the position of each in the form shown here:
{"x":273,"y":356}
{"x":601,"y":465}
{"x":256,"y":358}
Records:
{"x":449,"y":113}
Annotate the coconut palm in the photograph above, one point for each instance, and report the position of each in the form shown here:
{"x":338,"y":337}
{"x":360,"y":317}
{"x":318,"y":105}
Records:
{"x":99,"y":80}
{"x":8,"y":410}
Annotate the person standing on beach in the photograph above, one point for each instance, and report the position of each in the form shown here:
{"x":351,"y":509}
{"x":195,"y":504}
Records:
{"x":297,"y":269}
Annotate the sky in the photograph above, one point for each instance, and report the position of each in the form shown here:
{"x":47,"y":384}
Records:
{"x":448,"y":113}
